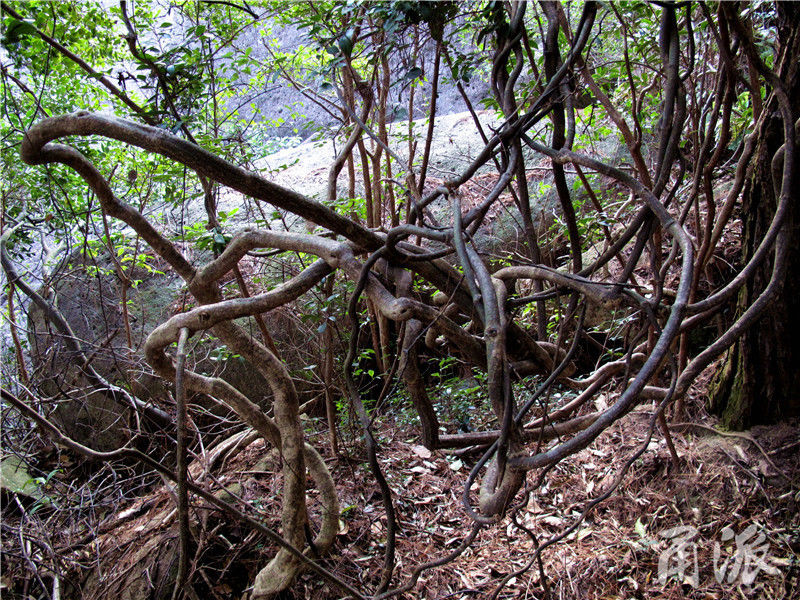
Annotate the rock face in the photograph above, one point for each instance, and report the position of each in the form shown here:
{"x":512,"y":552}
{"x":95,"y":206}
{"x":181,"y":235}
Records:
{"x":287,"y":113}
{"x":456,"y":142}
{"x":89,"y":299}
{"x":87,"y":293}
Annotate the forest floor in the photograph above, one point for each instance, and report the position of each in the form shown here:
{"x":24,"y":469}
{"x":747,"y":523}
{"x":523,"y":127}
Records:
{"x":723,"y":480}
{"x":735,"y":496}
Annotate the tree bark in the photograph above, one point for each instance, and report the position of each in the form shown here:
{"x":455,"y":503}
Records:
{"x":759,"y":381}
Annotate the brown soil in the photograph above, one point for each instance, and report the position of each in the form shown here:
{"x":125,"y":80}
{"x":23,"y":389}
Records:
{"x":723,"y":480}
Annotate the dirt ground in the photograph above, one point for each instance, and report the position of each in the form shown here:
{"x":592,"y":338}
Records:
{"x":723,"y":481}
{"x":723,"y":523}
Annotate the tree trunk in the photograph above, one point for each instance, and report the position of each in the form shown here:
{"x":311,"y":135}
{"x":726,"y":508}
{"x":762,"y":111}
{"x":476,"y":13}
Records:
{"x":760,"y":379}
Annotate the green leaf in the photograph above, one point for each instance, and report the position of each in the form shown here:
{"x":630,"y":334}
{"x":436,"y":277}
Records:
{"x":413,"y":73}
{"x":15,"y":29}
{"x":346,"y":42}
{"x":399,"y":113}
{"x":640,"y":529}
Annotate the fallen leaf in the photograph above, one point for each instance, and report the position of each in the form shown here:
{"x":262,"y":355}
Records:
{"x":456,"y":464}
{"x":421,"y":451}
{"x":553,"y":521}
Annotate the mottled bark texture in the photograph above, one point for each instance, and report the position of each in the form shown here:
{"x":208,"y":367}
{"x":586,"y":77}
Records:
{"x":759,"y":381}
